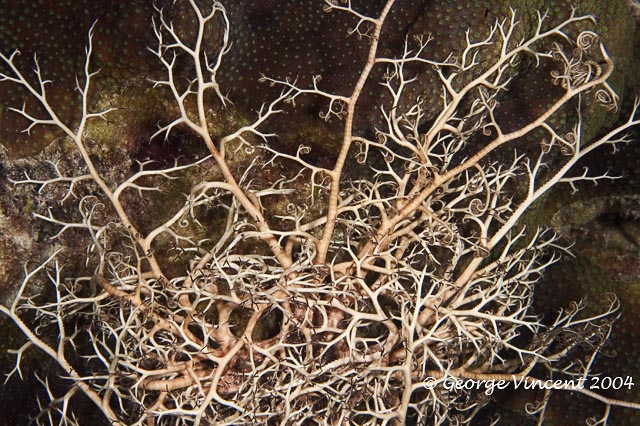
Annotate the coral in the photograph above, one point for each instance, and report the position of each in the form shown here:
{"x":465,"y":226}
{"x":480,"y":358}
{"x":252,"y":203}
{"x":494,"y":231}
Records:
{"x":278,"y":38}
{"x":279,"y":287}
{"x":56,"y":32}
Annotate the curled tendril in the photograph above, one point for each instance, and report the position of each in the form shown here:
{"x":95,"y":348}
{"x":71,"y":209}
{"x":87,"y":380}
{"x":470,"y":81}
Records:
{"x":249,"y":149}
{"x":43,"y":323}
{"x":569,"y":143}
{"x":476,"y":207}
{"x":566,"y":151}
{"x":558,"y":78}
{"x":582,"y":73}
{"x":534,"y":407}
{"x":361,"y":156}
{"x":587,"y":39}
{"x":304,"y":149}
{"x":448,"y":238}
{"x":337,"y":108}
{"x":607,"y":98}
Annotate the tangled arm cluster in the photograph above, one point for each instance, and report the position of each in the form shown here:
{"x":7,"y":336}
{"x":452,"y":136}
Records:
{"x":317,"y":298}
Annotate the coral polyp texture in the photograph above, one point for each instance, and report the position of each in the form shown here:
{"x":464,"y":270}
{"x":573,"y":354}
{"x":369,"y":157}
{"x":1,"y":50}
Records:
{"x":387,"y":281}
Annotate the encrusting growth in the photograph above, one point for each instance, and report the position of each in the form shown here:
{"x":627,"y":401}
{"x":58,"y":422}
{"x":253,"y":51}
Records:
{"x":358,"y":312}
